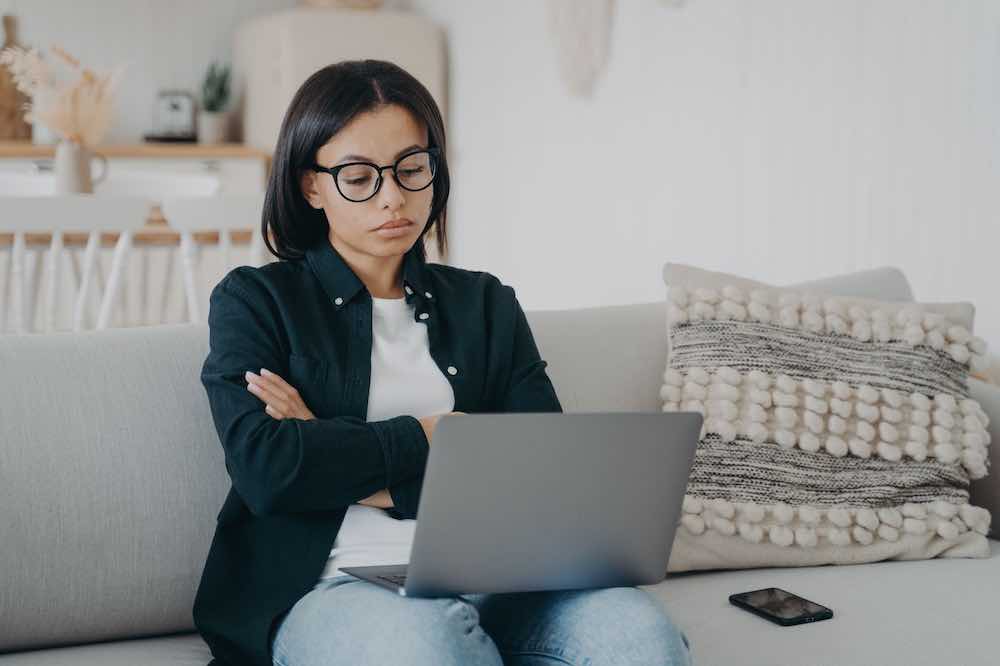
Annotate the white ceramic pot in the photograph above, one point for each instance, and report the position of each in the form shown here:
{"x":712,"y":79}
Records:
{"x":72,"y":168}
{"x":212,"y":126}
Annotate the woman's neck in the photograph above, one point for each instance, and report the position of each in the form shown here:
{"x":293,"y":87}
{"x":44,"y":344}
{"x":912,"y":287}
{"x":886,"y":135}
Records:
{"x":382,"y":276}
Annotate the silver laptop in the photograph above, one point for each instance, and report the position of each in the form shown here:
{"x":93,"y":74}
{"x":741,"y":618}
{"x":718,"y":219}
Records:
{"x":519,"y":502}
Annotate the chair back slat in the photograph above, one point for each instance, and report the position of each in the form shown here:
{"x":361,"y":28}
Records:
{"x":36,"y":275}
{"x":57,"y":216}
{"x":224,"y":213}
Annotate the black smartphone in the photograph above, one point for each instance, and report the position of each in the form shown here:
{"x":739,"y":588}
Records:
{"x":780,"y":606}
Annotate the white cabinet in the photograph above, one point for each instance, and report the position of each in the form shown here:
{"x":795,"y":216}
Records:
{"x":276,"y":53}
{"x":236,"y":175}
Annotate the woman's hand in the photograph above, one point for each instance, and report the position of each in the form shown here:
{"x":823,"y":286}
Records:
{"x":380,"y":500}
{"x":429,"y":423}
{"x":281,"y":399}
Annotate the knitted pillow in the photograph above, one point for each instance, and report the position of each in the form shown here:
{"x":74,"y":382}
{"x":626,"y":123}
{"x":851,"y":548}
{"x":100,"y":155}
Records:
{"x":837,"y":430}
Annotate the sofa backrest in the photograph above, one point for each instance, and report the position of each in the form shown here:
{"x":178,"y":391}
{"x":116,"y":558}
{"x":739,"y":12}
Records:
{"x":111,"y":476}
{"x":111,"y":472}
{"x":606,"y":358}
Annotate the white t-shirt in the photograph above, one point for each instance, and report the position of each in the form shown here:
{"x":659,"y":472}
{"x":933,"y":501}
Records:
{"x":404,"y":380}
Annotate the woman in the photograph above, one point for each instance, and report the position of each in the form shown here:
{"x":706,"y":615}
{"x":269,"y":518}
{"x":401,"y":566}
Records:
{"x":327,"y":374}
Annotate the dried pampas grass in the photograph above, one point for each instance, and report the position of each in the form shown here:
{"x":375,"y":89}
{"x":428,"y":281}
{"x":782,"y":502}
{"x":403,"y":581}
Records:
{"x":79,"y":111}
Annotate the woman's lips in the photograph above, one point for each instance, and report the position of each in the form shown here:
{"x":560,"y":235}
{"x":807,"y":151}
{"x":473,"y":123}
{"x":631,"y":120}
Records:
{"x":394,"y":224}
{"x":395,"y":229}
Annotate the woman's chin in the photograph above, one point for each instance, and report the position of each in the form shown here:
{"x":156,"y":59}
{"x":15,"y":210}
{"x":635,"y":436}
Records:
{"x":391,"y":247}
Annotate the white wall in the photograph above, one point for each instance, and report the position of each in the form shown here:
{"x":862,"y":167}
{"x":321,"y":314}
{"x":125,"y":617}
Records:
{"x":780,"y":139}
{"x":166,"y":44}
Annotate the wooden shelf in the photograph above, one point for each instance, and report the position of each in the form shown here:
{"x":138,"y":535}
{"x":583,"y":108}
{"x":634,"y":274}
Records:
{"x":26,"y":149}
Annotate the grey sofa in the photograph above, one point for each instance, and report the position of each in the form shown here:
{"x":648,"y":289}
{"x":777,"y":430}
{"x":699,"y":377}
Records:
{"x":111,"y":476}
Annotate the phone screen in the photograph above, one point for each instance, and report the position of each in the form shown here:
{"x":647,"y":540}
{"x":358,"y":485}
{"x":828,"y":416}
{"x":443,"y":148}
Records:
{"x":781,"y":604}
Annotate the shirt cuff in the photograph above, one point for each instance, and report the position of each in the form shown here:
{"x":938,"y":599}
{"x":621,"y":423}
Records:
{"x":406,"y":497}
{"x":404,"y":447}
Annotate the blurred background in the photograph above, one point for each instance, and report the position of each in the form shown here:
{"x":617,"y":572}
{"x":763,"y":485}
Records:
{"x":590,"y":142}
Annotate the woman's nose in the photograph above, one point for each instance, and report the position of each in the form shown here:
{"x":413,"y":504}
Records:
{"x":391,"y":192}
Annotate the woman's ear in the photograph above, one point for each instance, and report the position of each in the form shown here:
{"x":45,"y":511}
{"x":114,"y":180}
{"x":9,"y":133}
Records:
{"x":307,"y":182}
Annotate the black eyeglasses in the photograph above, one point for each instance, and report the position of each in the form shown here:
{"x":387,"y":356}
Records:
{"x":360,"y":181}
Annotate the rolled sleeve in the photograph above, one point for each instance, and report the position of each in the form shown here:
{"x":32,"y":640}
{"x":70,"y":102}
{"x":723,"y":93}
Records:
{"x":406,"y":497}
{"x":404,"y":447}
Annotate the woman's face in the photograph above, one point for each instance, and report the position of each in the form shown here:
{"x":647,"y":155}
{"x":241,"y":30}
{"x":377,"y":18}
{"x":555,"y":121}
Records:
{"x":378,"y":137}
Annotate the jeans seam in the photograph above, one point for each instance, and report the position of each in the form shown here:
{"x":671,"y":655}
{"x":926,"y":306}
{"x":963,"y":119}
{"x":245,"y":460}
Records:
{"x":276,"y":660}
{"x":277,"y":654}
{"x":542,"y":647}
{"x":539,"y":653}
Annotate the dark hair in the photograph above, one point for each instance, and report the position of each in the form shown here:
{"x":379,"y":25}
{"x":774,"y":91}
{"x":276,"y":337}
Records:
{"x":322,"y":106}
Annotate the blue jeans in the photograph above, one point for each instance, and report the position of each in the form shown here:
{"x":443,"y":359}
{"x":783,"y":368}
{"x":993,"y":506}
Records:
{"x":344,"y":620}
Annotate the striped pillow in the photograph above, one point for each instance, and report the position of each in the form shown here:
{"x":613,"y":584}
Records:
{"x":837,"y":430}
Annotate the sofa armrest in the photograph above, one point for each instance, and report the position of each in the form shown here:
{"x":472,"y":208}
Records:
{"x":985,"y":492}
{"x":991,"y":375}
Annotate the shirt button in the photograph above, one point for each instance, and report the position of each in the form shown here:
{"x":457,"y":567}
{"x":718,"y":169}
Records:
{"x":408,"y":290}
{"x":424,"y":315}
{"x":428,"y":294}
{"x":338,"y":300}
{"x":452,"y":370}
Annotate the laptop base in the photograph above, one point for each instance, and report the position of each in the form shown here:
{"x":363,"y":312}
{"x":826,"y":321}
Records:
{"x":392,"y":576}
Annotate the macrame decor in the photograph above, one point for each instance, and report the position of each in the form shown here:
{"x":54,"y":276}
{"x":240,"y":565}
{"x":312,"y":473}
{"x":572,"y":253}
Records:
{"x":836,"y":430}
{"x":581,"y":34}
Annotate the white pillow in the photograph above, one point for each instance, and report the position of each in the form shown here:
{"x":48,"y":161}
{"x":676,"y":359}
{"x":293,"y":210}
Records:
{"x":838,"y":430}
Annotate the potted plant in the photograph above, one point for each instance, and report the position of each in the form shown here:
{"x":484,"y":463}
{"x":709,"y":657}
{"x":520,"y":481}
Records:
{"x":213,"y":118}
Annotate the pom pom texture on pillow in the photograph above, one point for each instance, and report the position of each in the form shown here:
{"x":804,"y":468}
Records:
{"x":836,"y":430}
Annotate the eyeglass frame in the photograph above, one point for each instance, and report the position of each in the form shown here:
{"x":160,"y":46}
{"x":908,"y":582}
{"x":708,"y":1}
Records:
{"x":434,"y":152}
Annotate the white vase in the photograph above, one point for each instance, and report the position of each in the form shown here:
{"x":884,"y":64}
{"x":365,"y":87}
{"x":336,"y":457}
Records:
{"x":212,"y":126}
{"x":42,"y":135}
{"x":72,"y":168}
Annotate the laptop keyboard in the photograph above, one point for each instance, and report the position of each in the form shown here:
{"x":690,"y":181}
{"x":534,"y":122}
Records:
{"x":396,"y":579}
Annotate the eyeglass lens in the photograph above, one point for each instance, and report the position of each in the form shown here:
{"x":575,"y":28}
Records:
{"x":413,"y":172}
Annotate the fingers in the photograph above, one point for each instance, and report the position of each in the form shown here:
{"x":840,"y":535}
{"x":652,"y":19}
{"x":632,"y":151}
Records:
{"x":273,"y":390}
{"x":282,"y":400}
{"x":274,"y":383}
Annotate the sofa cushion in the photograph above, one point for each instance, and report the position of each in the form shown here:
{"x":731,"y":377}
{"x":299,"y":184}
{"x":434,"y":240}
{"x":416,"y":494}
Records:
{"x":604,"y":358}
{"x":919,"y":613}
{"x":186,"y":649}
{"x":112,"y":476}
{"x":836,"y":431}
{"x":869,"y":602}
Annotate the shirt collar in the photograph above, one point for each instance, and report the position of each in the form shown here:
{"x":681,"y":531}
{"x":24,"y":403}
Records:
{"x":342,"y":284}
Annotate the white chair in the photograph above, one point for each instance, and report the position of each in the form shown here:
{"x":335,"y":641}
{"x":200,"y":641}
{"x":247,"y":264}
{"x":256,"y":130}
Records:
{"x":155,"y":184}
{"x":158,"y":184}
{"x":22,"y":183}
{"x":59,"y":215}
{"x":223,"y":213}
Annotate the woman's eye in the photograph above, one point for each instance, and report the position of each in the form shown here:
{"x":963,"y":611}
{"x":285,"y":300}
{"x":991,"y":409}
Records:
{"x":412,"y":172}
{"x":358,"y":181}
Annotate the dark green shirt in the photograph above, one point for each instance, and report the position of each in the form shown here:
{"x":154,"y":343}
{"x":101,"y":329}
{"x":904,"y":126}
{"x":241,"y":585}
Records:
{"x":310,"y":321}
